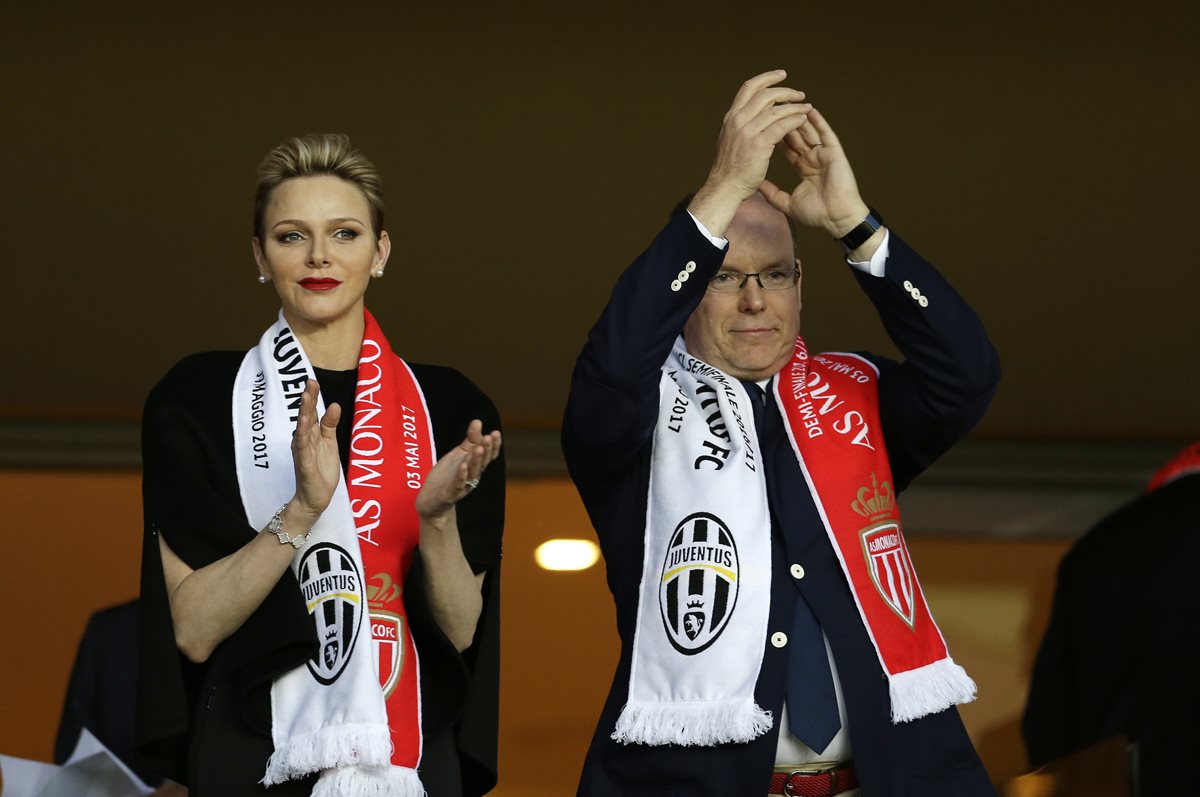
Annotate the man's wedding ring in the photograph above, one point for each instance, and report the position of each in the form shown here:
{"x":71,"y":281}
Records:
{"x":472,"y":484}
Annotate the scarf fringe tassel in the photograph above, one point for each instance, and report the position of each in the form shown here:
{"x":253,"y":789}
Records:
{"x":369,"y":782}
{"x":337,"y":746}
{"x":929,"y":689}
{"x":692,"y":723}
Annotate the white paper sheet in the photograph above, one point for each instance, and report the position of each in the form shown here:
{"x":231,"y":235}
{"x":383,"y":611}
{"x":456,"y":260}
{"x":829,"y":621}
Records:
{"x":91,"y":771}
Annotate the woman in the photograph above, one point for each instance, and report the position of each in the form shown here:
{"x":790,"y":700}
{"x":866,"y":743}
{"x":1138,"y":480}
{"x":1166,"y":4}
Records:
{"x":294,"y":632}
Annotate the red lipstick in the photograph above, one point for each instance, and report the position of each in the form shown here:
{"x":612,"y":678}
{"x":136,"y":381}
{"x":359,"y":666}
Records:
{"x":319,"y":284}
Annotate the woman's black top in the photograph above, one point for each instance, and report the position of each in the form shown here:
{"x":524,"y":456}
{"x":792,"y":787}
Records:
{"x":209,"y":725}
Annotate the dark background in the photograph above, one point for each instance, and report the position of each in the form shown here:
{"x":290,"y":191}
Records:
{"x":1044,"y":157}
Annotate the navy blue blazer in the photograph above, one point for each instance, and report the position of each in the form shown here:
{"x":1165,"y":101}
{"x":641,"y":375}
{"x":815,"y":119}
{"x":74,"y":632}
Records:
{"x":927,"y":403}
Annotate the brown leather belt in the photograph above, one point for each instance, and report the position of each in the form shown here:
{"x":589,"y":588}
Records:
{"x":815,"y":782}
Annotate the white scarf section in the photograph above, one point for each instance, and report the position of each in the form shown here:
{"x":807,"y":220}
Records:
{"x":706,"y":572}
{"x":328,"y":715}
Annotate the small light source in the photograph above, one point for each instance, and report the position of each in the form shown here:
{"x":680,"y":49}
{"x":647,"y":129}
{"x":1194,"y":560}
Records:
{"x":566,"y":554}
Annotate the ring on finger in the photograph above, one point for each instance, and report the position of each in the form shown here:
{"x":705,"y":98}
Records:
{"x":472,"y":483}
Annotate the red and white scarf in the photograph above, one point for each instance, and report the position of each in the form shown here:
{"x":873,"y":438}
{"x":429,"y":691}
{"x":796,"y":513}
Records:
{"x":706,"y":573}
{"x":353,"y":712}
{"x":831,"y":405}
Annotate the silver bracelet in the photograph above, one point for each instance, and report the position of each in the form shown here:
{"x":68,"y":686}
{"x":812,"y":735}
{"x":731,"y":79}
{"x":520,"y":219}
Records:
{"x":276,"y":528}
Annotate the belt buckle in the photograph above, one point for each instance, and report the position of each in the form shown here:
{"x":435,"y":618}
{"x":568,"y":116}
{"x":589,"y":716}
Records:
{"x":832,"y":773}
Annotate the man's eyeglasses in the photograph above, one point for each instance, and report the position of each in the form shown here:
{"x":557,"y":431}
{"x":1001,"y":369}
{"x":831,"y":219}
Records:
{"x":773,"y":279}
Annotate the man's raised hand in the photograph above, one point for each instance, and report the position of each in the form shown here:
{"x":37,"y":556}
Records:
{"x":761,"y":115}
{"x":826,"y":195}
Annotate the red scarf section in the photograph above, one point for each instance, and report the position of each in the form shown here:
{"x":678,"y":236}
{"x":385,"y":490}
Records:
{"x":391,"y":451}
{"x":1185,"y":462}
{"x":832,"y":407}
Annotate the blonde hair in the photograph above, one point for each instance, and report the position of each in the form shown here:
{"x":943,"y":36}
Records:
{"x":316,"y":154}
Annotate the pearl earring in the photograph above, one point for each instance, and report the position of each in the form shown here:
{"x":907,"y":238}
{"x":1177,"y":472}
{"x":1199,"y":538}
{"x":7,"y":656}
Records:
{"x":377,"y":273}
{"x":262,"y":279}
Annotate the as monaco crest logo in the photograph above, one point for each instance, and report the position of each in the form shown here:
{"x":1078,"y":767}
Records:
{"x":699,"y":582}
{"x":332,"y":589}
{"x":890,"y":568}
{"x":387,"y":629}
{"x":884,"y":549}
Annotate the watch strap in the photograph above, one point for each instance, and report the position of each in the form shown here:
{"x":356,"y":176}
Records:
{"x":865,"y":229}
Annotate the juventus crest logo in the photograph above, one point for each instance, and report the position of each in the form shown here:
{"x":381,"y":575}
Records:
{"x":699,"y":583}
{"x":332,"y":589}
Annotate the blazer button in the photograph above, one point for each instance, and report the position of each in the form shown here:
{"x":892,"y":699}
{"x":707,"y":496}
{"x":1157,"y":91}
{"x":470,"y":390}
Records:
{"x":676,"y":285}
{"x":779,"y":639}
{"x":923,"y":301}
{"x":908,"y":286}
{"x":683,"y":276}
{"x":690,"y":267}
{"x":797,"y":571}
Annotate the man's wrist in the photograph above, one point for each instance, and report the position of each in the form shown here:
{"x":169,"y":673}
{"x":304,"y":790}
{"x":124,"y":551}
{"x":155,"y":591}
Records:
{"x":715,"y":205}
{"x":719,"y":243}
{"x":864,"y":231}
{"x":844,"y":223}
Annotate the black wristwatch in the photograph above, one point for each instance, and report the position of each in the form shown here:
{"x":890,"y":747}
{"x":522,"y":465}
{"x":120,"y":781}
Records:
{"x":865,"y":229}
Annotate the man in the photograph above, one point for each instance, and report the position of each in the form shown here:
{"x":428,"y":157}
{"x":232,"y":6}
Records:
{"x":1117,"y":659}
{"x":751,"y":539}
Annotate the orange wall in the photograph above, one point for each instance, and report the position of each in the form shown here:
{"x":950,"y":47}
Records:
{"x":71,"y":546}
{"x":71,"y":543}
